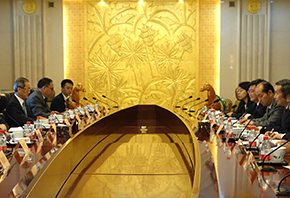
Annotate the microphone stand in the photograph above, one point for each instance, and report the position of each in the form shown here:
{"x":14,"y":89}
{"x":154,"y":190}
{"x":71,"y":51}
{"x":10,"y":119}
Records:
{"x":102,"y":102}
{"x":188,"y":103}
{"x":182,"y":101}
{"x":196,"y":105}
{"x":210,"y":105}
{"x":286,"y":190}
{"x":112,"y":101}
{"x":244,"y":128}
{"x":271,"y":168}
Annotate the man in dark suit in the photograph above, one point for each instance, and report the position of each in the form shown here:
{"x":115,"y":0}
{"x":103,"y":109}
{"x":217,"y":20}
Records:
{"x":37,"y":100}
{"x":60,"y":102}
{"x":18,"y":112}
{"x":282,"y":90}
{"x":265,"y":93}
{"x":257,"y":110}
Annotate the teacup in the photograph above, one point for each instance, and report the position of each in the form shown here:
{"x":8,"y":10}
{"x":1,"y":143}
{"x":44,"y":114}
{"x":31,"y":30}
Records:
{"x":278,"y":155}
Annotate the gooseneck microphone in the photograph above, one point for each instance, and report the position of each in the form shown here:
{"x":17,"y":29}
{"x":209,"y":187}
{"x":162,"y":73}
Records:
{"x":88,"y":100}
{"x":112,"y":101}
{"x":271,"y":168}
{"x":109,"y":107}
{"x":210,"y":105}
{"x":81,"y":104}
{"x":77,"y":102}
{"x":196,"y":105}
{"x":245,"y":128}
{"x":188,"y":103}
{"x":182,"y":101}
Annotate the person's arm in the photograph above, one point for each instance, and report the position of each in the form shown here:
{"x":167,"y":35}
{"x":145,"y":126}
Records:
{"x":37,"y":108}
{"x":274,"y":118}
{"x":17,"y":114}
{"x":4,"y":126}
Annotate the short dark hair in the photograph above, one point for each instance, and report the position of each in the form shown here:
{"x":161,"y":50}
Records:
{"x":244,"y":85}
{"x":64,"y":81}
{"x":44,"y":82}
{"x":286,"y":90}
{"x":20,"y":82}
{"x":283,"y":82}
{"x":267,"y":86}
{"x":256,"y":82}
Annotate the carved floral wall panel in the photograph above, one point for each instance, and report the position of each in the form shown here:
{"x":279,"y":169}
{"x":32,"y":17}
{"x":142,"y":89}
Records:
{"x":141,"y":52}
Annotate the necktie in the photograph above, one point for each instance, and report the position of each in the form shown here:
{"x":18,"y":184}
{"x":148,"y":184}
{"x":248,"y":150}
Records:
{"x":67,"y":103}
{"x":268,"y":111}
{"x":24,"y":108}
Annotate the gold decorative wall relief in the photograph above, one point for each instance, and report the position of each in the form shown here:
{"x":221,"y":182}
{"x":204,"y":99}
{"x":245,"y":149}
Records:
{"x":142,"y":52}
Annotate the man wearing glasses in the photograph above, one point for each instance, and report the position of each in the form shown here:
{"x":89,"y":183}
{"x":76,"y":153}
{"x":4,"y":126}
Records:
{"x":17,"y":110}
{"x":266,"y":93}
{"x":257,"y":110}
{"x":37,"y":100}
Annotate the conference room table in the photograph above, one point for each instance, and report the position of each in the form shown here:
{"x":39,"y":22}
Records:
{"x":220,"y":176}
{"x":227,"y":177}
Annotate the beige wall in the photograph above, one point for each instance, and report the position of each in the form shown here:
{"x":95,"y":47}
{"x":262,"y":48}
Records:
{"x":232,"y":71}
{"x":229,"y":67}
{"x":6,"y":45}
{"x":52,"y":42}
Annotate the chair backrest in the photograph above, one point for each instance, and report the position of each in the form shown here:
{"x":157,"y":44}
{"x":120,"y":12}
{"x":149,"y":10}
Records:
{"x":3,"y":102}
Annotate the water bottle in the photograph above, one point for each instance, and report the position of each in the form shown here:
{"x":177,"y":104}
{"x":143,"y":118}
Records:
{"x":66,"y":114}
{"x":37,"y":123}
{"x":51,"y":118}
{"x":204,"y":110}
{"x":3,"y":145}
{"x":265,"y":149}
{"x":97,"y":105}
{"x":229,"y":128}
{"x":76,"y":110}
{"x":252,"y":136}
{"x":220,"y":120}
{"x":86,"y":107}
{"x":29,"y":131}
{"x":212,"y":115}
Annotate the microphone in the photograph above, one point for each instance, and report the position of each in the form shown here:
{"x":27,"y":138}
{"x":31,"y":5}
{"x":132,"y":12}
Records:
{"x":112,"y":101}
{"x":244,"y":128}
{"x":271,"y":168}
{"x":88,"y":100}
{"x":254,"y":140}
{"x":213,"y":103}
{"x":77,"y":102}
{"x":188,"y":103}
{"x":286,"y":190}
{"x":196,"y":105}
{"x":102,"y":102}
{"x":182,"y":101}
{"x":210,"y":105}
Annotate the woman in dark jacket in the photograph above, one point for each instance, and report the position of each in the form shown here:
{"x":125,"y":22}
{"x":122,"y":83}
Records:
{"x":245,"y":102}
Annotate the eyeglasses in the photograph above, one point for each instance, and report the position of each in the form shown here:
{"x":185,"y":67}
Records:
{"x":251,"y":91}
{"x":240,"y":90}
{"x":25,"y":89}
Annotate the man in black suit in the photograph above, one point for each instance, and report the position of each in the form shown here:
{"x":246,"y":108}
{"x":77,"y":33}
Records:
{"x":60,"y":102}
{"x":37,"y":100}
{"x":282,"y":90}
{"x":17,"y":109}
{"x":257,"y":110}
{"x":265,"y":93}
